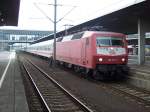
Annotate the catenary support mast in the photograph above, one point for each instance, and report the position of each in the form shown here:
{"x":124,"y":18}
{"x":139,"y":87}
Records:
{"x":55,"y":22}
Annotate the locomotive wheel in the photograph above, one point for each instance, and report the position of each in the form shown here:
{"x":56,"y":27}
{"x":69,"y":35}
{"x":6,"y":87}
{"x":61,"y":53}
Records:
{"x":98,"y":75}
{"x":87,"y":72}
{"x":77,"y":69}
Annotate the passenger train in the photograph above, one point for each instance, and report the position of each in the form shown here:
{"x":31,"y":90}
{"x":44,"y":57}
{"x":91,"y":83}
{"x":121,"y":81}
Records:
{"x":94,"y":53}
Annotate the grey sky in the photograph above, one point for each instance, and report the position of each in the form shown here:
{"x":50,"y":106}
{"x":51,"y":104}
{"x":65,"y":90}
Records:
{"x":74,"y":12}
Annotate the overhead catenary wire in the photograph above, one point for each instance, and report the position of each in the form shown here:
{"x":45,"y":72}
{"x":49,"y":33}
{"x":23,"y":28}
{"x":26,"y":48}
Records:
{"x":43,"y":12}
{"x":67,"y":13}
{"x":73,"y":7}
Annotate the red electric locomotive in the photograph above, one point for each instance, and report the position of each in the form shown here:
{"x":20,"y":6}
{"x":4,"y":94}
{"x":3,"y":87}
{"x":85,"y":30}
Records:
{"x":99,"y":54}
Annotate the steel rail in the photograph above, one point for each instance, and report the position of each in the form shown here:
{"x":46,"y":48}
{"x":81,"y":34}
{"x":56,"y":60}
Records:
{"x":36,"y":88}
{"x":130,"y":94}
{"x":83,"y":106}
{"x":139,"y":95}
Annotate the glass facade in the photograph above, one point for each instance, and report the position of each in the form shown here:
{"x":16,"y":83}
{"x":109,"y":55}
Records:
{"x":10,"y":37}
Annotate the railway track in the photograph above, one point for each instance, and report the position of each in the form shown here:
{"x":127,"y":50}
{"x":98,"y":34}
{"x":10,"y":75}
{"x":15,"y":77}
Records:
{"x":53,"y":96}
{"x":133,"y":93}
{"x":140,"y":95}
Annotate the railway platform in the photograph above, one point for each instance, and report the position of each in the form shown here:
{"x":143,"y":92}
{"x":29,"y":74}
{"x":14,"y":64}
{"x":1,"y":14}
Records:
{"x":139,"y":74}
{"x":12,"y":94}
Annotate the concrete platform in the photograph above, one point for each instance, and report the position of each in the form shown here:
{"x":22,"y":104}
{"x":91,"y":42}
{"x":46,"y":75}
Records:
{"x":139,"y":74}
{"x":12,"y":94}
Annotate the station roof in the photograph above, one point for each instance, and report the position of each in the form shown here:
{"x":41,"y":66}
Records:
{"x":123,"y":20}
{"x":9,"y":11}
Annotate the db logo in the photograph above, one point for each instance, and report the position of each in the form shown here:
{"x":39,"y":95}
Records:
{"x":112,"y":52}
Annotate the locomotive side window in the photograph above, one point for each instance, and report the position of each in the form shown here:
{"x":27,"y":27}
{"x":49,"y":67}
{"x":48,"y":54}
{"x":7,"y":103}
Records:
{"x":109,"y":41}
{"x":67,"y":38}
{"x":77,"y":36}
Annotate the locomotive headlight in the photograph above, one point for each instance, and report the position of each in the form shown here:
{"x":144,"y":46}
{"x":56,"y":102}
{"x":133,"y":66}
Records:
{"x":123,"y":59}
{"x":100,"y":59}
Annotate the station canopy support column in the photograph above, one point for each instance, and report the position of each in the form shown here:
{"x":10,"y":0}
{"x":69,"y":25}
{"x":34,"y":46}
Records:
{"x":143,"y":27}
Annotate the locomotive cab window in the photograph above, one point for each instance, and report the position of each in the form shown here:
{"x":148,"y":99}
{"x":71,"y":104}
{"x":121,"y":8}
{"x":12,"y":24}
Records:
{"x":109,"y":41}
